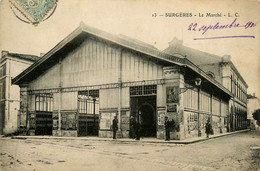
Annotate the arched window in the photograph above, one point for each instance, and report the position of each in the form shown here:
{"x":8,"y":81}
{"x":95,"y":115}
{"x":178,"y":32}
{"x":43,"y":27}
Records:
{"x":211,"y":74}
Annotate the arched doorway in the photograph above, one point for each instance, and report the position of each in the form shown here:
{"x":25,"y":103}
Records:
{"x":143,"y":110}
{"x":147,"y":121}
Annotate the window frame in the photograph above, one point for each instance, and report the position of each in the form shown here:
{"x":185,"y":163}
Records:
{"x":44,"y":102}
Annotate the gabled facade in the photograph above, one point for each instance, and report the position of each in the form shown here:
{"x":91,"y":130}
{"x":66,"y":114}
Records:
{"x":222,"y":70}
{"x":11,"y":64}
{"x":91,"y":76}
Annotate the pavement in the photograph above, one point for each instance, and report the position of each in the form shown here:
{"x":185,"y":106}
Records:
{"x":128,"y":140}
{"x":230,"y":153}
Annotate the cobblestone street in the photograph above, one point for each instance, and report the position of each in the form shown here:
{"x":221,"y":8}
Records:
{"x":233,"y":152}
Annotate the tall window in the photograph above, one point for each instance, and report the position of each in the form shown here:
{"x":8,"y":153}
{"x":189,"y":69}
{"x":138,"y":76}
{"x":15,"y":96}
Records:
{"x":239,"y":92}
{"x":2,"y":89}
{"x":3,"y":70}
{"x":236,"y":87}
{"x":89,"y":102}
{"x":190,"y":99}
{"x":44,"y":102}
{"x":232,"y":84}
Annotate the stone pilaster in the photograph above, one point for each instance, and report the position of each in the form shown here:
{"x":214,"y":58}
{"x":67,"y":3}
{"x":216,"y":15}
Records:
{"x":24,"y":116}
{"x":174,"y":81}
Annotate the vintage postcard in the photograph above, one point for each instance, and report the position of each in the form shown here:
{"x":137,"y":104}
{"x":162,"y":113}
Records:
{"x":129,"y":85}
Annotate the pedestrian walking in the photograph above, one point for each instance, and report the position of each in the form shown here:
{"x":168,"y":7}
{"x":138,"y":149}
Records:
{"x":167,"y":125}
{"x":208,"y":128}
{"x":114,"y":127}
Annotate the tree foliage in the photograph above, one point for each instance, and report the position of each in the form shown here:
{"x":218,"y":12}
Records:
{"x":256,"y":116}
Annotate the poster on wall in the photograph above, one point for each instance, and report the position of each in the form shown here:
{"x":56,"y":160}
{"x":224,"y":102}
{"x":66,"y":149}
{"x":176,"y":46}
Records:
{"x":172,"y":94}
{"x":161,"y":115}
{"x":172,"y":108}
{"x":106,"y":120}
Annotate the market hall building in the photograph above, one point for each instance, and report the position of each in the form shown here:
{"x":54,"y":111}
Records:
{"x":91,"y":76}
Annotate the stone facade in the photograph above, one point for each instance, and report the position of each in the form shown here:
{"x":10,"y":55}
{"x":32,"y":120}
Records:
{"x":11,"y":64}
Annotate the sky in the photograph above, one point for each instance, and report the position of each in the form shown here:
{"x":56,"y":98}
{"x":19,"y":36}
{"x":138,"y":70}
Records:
{"x":135,"y":19}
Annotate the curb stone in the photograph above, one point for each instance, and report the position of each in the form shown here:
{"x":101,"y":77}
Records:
{"x":157,"y":141}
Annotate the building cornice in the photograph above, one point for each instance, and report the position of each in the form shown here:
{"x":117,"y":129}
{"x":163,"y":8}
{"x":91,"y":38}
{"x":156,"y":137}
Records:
{"x":28,"y":62}
{"x":236,"y":71}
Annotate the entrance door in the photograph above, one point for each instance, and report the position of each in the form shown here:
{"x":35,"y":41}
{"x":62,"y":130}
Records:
{"x":147,"y":120}
{"x":82,"y":124}
{"x":44,"y":123}
{"x":143,"y":109}
{"x":88,"y":120}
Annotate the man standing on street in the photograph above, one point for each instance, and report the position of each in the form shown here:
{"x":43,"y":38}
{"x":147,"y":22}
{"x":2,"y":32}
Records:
{"x":137,"y":130}
{"x":208,"y":128}
{"x":132,"y":127}
{"x":114,"y":127}
{"x":167,"y":128}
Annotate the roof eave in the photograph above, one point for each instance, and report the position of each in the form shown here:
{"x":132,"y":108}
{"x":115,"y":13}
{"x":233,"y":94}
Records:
{"x":235,"y":69}
{"x":208,"y":78}
{"x":79,"y":30}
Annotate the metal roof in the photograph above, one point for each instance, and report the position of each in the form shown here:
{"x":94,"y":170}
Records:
{"x":79,"y":34}
{"x":199,"y":57}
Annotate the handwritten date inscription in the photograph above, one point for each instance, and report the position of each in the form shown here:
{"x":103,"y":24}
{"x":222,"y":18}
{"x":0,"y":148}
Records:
{"x":218,"y":26}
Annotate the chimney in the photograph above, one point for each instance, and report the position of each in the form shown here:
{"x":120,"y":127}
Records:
{"x":4,"y":52}
{"x":254,"y":94}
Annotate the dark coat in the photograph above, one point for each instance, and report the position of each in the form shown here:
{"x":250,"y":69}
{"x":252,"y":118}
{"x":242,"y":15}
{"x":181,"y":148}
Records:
{"x":137,"y":129}
{"x":132,"y":123}
{"x":208,"y":128}
{"x":115,"y":126}
{"x":167,"y":124}
{"x":137,"y":126}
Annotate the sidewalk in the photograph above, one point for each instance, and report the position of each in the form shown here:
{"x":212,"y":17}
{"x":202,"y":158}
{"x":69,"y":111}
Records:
{"x":142,"y":140}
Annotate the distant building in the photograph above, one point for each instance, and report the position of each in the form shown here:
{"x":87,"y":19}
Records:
{"x":78,"y":87}
{"x":11,"y":64}
{"x":253,"y":103}
{"x":224,"y":71}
